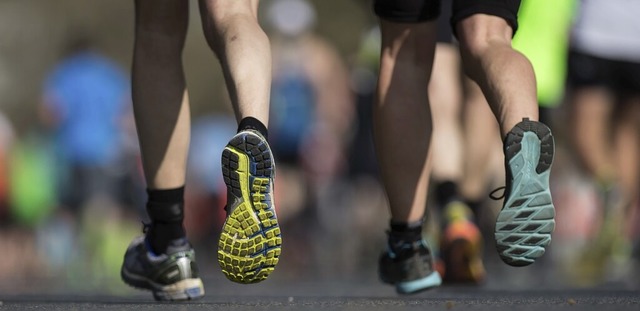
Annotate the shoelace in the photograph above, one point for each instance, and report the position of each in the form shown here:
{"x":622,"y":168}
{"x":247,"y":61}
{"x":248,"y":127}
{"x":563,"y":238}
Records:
{"x":145,"y":227}
{"x":495,"y":197}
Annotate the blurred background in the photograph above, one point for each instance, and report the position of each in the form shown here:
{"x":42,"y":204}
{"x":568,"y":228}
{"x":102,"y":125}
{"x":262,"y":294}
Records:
{"x":71,"y":187}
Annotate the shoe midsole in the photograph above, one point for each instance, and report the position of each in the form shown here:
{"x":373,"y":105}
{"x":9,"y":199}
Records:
{"x":142,"y":281}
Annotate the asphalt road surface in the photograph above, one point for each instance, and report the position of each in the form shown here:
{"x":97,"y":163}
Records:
{"x":537,"y":287}
{"x":340,"y":296}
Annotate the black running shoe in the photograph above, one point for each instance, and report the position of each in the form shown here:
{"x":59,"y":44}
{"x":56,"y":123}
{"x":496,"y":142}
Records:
{"x":250,"y":241}
{"x":170,"y":276}
{"x":524,"y":225}
{"x":408,"y":266}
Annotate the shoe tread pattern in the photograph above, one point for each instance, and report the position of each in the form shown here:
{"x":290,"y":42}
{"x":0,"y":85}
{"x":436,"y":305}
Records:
{"x":250,"y":242}
{"x":526,"y":221}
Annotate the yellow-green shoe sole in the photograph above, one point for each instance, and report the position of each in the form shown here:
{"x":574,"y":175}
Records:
{"x":250,"y":242}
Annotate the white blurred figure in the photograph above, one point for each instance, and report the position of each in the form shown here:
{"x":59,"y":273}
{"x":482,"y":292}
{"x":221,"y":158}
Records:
{"x":603,"y":99}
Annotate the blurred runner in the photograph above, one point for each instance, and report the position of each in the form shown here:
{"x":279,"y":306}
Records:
{"x":604,"y":103}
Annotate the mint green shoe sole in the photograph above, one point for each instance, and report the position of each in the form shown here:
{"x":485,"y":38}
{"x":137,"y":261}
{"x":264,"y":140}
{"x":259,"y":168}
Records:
{"x":526,"y":221}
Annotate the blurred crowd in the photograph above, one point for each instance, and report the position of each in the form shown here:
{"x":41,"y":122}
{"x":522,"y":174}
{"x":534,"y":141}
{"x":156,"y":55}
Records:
{"x":72,"y":189}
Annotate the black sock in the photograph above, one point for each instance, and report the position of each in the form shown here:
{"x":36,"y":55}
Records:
{"x":403,"y":233}
{"x":250,"y":123}
{"x":166,"y":210}
{"x":406,"y":230}
{"x":446,"y":192}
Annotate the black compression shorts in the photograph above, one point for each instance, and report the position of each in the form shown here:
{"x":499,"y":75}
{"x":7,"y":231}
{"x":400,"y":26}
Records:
{"x":415,"y":11}
{"x":586,"y":70}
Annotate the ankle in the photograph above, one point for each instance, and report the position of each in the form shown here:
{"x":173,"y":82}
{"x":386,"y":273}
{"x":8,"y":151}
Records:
{"x":251,"y":123}
{"x":166,"y":211}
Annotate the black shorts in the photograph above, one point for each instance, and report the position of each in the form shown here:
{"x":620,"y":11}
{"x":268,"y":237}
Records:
{"x":415,"y":11}
{"x":585,"y":70}
{"x":445,"y":33}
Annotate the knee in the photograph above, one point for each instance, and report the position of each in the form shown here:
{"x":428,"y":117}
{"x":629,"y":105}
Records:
{"x":479,"y":32}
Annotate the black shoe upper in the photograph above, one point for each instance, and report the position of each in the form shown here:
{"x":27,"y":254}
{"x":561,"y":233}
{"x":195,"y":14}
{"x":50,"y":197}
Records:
{"x":142,"y":266}
{"x":405,"y":260}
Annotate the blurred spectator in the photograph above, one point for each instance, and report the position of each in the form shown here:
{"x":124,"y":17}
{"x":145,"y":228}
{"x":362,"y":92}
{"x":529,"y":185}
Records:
{"x":310,"y":126}
{"x":311,"y":104}
{"x":85,"y":103}
{"x":85,"y":107}
{"x":604,"y":109}
{"x":6,"y":141}
{"x":32,"y":163}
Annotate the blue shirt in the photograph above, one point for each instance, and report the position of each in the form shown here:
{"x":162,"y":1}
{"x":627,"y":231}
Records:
{"x":89,"y":94}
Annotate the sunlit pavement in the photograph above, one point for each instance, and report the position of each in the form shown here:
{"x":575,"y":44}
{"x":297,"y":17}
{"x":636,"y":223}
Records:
{"x":341,"y":296}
